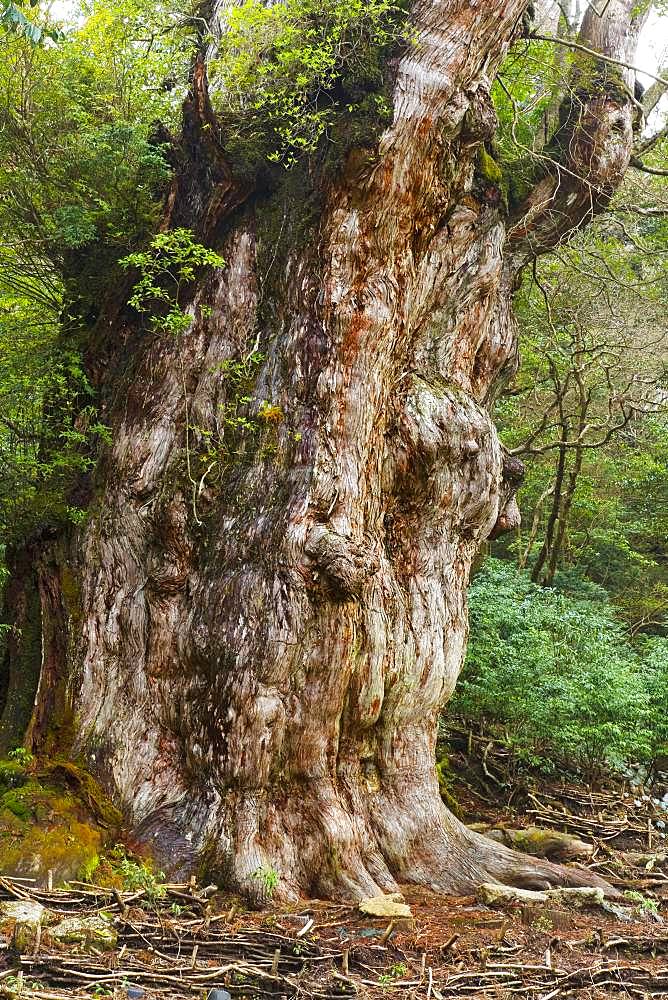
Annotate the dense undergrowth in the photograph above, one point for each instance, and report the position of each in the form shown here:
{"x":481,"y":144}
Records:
{"x":555,"y":674}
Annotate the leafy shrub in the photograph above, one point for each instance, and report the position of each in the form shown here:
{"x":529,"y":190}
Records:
{"x":558,"y":673}
{"x":286,"y":71}
{"x":21,"y":756}
{"x":170,"y":262}
{"x":655,"y":677}
{"x":120,"y":869}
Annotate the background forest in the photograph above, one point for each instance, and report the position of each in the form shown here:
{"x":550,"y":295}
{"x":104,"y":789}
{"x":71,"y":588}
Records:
{"x":568,"y":656}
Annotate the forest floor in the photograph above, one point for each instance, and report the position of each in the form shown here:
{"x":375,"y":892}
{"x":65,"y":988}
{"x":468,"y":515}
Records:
{"x":186,"y":943}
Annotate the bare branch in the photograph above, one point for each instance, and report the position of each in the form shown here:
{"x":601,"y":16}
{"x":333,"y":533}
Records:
{"x":639,"y":165}
{"x":599,"y":55}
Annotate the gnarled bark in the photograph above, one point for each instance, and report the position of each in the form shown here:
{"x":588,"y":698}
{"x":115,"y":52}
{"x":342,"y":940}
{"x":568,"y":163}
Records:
{"x":264,"y":645}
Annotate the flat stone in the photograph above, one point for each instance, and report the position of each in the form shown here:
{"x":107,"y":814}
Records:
{"x":28,"y":916}
{"x":493,"y":894}
{"x":390,"y":905}
{"x":22,"y":909}
{"x":592,"y":896}
{"x":96,"y":931}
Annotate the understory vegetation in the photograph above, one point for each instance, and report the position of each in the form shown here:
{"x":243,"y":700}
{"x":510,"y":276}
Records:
{"x":554,"y":672}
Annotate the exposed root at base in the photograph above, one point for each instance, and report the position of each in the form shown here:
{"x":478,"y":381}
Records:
{"x":424,"y":844}
{"x":509,"y":867}
{"x":316,"y":848}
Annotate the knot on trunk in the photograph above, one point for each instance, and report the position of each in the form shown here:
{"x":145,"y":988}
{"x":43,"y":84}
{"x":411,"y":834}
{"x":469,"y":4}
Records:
{"x":346,"y":564}
{"x":509,"y":519}
{"x":512,"y":477}
{"x":169,"y":565}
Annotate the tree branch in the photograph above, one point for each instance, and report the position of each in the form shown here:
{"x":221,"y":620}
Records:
{"x":639,"y":165}
{"x":592,"y":146}
{"x":648,"y":143}
{"x":653,"y":94}
{"x":598,"y":55}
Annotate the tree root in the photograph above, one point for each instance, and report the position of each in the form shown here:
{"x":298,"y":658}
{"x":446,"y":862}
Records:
{"x":425,"y":844}
{"x":319,"y":843}
{"x":509,"y":867}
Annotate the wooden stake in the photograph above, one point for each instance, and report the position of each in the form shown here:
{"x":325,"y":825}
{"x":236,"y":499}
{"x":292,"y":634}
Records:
{"x":449,"y":943}
{"x":387,"y":932}
{"x":38,"y":938}
{"x":276,"y":959}
{"x":306,"y":928}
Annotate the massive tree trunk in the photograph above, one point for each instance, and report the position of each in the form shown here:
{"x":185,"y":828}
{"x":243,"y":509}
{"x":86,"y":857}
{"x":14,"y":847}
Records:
{"x":257,"y":655}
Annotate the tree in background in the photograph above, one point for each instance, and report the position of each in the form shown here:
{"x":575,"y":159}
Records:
{"x":594,"y":372}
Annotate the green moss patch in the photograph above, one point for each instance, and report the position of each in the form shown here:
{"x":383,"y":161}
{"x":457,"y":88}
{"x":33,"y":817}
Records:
{"x":488,"y":168}
{"x":88,"y":791}
{"x":12,"y":775}
{"x":445,"y":779}
{"x":56,"y":820}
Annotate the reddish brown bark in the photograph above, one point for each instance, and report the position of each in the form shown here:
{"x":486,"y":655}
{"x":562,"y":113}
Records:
{"x":261,"y":656}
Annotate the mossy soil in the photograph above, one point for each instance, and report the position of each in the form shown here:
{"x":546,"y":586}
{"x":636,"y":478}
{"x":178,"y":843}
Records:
{"x":52,"y":818}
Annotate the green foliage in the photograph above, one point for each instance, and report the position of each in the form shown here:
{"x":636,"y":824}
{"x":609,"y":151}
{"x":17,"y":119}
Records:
{"x":13,"y":20}
{"x":645,"y":905}
{"x":48,"y":420}
{"x":655,"y":678}
{"x":21,"y":756}
{"x":558,"y":675}
{"x":171,"y":262}
{"x":269,"y":878}
{"x":592,"y":381}
{"x":523,"y":96}
{"x":134,"y":873}
{"x":287,"y":72}
{"x":82,"y":173}
{"x":82,"y":160}
{"x":139,"y":875}
{"x":396,"y":971}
